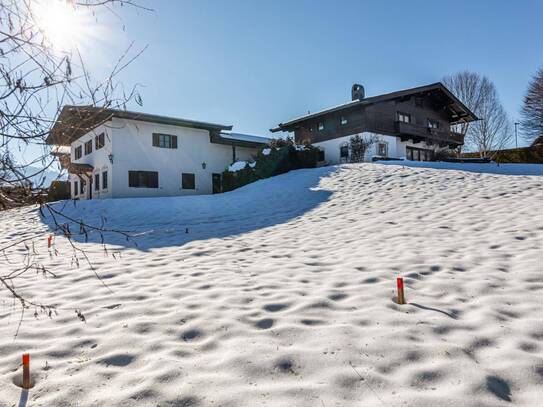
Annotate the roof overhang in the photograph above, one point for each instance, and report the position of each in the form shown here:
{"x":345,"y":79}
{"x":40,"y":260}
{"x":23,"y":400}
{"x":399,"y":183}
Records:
{"x":74,"y":168}
{"x":239,"y":140}
{"x":459,"y":112}
{"x":76,"y":121}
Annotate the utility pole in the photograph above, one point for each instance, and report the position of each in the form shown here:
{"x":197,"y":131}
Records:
{"x":516,"y":133}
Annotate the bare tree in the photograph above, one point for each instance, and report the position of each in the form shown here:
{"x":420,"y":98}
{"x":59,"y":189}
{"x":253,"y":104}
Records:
{"x":532,"y":108}
{"x":36,"y":80}
{"x":493,"y":131}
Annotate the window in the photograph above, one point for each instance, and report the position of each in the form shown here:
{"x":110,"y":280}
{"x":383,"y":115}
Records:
{"x":321,"y":126}
{"x":433,"y":124}
{"x":382,"y":149}
{"x":404,"y":117}
{"x":344,"y":152}
{"x":143,"y":179}
{"x":82,"y":187}
{"x":188,"y":181}
{"x":321,"y":155}
{"x":104,"y":180}
{"x":76,"y":188}
{"x":97,"y":182}
{"x":88,"y":147}
{"x":99,"y":141}
{"x":418,"y":154}
{"x":164,"y":140}
{"x":78,"y":152}
{"x":216,"y":183}
{"x":343,"y":120}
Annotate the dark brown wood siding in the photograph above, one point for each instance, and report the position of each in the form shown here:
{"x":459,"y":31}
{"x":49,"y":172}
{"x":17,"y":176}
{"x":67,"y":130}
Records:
{"x":380,"y":118}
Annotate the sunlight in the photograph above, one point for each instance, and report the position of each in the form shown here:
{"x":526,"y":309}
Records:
{"x":60,"y":22}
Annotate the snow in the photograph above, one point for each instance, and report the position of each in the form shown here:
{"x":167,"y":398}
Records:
{"x":490,"y":168}
{"x":282,"y":294}
{"x":266,"y":151}
{"x":237,"y":166}
{"x":59,"y":150}
{"x":240,"y":165}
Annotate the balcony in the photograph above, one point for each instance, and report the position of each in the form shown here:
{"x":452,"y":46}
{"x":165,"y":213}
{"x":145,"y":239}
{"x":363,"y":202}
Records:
{"x":422,"y":133}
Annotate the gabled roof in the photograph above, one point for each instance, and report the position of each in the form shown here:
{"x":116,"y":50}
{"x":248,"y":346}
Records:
{"x":75,"y":121}
{"x":461,"y":111}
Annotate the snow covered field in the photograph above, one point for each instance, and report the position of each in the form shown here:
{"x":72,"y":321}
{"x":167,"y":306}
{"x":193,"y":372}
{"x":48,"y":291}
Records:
{"x":281,"y":294}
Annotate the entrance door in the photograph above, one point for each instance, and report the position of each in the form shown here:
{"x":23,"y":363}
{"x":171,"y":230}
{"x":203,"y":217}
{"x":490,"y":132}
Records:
{"x":216,"y":180}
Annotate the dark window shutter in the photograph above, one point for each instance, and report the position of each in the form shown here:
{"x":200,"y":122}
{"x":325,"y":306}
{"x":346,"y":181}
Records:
{"x":188,"y":181}
{"x":174,"y":141}
{"x":156,"y":140}
{"x":153,"y":180}
{"x":132,"y":178}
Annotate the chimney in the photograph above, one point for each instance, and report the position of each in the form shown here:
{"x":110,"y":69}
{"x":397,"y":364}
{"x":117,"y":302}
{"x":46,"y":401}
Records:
{"x":357,"y":92}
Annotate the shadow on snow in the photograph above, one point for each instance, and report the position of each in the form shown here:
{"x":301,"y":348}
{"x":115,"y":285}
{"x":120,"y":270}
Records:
{"x":164,"y":221}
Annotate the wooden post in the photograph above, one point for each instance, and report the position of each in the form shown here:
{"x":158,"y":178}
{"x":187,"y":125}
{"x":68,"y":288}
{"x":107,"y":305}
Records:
{"x":26,"y":371}
{"x":401,"y":296}
{"x":49,"y":241}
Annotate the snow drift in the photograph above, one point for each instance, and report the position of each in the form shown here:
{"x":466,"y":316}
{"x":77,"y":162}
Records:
{"x":282,"y":294}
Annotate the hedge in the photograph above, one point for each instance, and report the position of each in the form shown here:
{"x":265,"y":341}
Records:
{"x":283,"y":157}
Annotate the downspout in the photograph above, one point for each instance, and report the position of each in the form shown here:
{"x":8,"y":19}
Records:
{"x":233,"y":153}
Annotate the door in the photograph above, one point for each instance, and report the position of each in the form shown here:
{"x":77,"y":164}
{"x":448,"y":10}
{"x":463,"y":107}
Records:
{"x":216,"y":180}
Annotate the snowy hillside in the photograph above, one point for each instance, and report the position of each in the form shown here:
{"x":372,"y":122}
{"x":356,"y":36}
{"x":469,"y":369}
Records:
{"x":282,"y":294}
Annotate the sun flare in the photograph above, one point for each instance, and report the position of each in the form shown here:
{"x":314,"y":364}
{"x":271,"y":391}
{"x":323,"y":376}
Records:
{"x":60,"y":22}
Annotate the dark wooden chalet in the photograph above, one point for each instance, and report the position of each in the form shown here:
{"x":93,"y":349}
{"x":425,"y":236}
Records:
{"x":423,"y":114}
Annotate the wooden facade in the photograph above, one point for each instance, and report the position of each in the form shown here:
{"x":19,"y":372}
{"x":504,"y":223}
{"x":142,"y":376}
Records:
{"x":419,"y":114}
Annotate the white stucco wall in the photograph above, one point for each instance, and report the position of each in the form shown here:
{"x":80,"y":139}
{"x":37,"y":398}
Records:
{"x":131,"y":144}
{"x":395,"y":147}
{"x":98,"y":159}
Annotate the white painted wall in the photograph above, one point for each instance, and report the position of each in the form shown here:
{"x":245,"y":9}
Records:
{"x":396,"y":148}
{"x":131,"y":144}
{"x":98,"y":159}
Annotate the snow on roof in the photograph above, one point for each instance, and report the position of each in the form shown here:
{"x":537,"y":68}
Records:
{"x":59,"y":150}
{"x":245,"y":137}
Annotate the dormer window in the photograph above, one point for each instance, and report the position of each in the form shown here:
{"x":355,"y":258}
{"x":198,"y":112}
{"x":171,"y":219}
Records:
{"x":78,"y":152}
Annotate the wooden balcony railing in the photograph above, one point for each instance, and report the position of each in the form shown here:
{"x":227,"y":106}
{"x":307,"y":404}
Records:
{"x":421,"y":132}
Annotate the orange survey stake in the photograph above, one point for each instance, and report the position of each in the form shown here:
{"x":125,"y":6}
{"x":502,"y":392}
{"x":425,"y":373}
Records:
{"x":26,"y":371}
{"x":401,"y":296}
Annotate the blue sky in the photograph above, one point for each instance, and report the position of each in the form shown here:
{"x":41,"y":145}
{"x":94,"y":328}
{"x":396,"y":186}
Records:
{"x":254,"y":64}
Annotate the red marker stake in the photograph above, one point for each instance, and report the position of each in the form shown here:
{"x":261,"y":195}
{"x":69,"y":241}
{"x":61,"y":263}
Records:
{"x":401,"y":296}
{"x":49,"y":241}
{"x":26,"y":371}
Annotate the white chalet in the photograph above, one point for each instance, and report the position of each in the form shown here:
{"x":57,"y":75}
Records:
{"x":117,"y":154}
